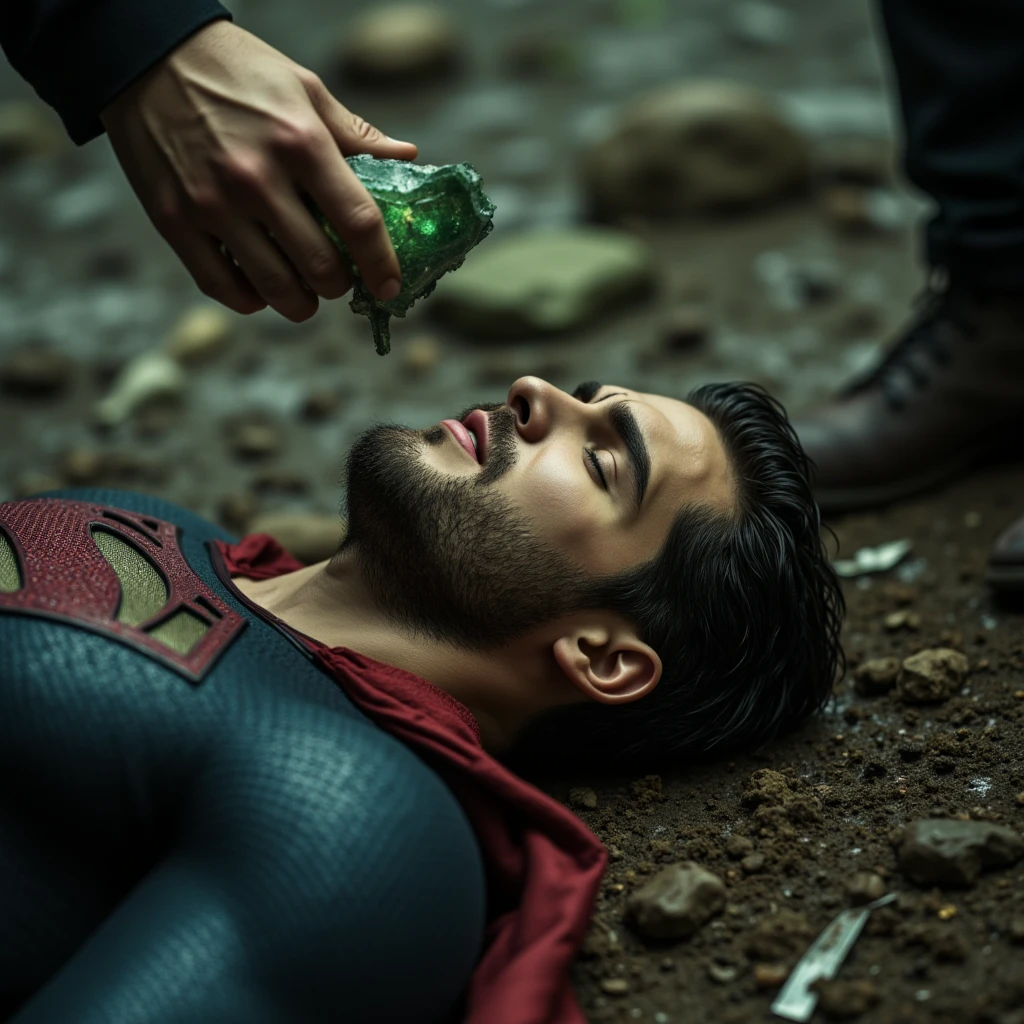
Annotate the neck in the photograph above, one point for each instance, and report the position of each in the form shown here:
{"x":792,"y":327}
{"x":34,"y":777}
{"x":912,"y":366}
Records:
{"x":330,"y":602}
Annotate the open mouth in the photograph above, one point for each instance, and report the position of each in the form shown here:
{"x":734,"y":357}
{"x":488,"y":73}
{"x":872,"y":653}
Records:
{"x":467,"y":438}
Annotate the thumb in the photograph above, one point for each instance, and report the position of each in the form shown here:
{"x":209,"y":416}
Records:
{"x":354,"y":135}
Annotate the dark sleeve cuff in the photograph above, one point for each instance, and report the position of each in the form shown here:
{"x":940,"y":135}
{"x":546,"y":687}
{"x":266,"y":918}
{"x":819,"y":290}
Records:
{"x":83,"y":56}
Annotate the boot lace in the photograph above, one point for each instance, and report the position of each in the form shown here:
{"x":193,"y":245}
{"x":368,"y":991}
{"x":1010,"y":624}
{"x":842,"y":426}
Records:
{"x":939,"y":323}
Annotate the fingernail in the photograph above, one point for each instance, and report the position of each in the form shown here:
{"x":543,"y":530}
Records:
{"x":400,"y":142}
{"x":389,"y":289}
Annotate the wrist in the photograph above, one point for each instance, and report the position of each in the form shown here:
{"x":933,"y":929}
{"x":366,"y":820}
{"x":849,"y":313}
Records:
{"x":176,"y":64}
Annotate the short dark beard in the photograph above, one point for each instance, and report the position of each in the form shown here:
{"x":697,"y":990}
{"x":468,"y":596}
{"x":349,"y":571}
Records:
{"x":447,"y":556}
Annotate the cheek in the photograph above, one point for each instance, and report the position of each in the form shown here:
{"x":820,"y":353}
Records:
{"x":569,"y":512}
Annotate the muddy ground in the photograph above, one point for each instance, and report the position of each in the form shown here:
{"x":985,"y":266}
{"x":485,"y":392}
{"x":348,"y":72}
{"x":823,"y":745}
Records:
{"x":83,"y":273}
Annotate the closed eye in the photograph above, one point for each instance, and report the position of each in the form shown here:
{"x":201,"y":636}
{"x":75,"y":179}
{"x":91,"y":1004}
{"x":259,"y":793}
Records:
{"x":592,"y":455}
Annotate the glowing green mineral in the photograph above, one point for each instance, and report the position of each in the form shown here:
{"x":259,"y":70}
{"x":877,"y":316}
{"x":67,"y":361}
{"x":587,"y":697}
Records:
{"x":434,"y":216}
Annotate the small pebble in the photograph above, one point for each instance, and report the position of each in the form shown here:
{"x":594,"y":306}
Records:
{"x":615,"y":986}
{"x":721,"y":974}
{"x":27,"y":129}
{"x":752,"y":863}
{"x":35,"y":372}
{"x":420,"y":356}
{"x":902,"y":619}
{"x":200,"y":334}
{"x":236,"y":510}
{"x":684,"y":328}
{"x":770,"y":975}
{"x":738,"y":847}
{"x":80,"y":467}
{"x":864,"y":886}
{"x":582,"y":797}
{"x":253,"y":437}
{"x":33,"y":482}
{"x":320,"y":405}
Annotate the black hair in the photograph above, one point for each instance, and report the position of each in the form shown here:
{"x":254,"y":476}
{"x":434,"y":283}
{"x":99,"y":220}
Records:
{"x":742,"y":606}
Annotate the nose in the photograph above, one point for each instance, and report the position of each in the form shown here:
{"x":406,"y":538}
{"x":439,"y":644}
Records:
{"x":537,"y":406}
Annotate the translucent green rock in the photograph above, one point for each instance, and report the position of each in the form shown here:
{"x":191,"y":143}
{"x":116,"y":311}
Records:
{"x":434,"y":216}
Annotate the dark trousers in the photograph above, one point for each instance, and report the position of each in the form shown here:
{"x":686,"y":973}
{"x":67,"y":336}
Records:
{"x":960,"y":71}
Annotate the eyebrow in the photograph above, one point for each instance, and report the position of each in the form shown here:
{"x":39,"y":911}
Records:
{"x":622,"y":419}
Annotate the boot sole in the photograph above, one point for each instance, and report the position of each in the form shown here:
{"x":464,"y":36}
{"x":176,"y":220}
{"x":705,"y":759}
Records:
{"x":1007,"y":579}
{"x":857,"y":499}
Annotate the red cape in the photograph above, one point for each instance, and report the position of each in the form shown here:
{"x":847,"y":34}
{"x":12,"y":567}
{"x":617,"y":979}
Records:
{"x":543,"y":864}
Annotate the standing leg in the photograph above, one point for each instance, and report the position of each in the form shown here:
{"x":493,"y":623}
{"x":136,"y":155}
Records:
{"x":949,"y":394}
{"x":960,"y":72}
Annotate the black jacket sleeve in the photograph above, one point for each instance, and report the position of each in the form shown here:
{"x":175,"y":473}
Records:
{"x":79,"y":54}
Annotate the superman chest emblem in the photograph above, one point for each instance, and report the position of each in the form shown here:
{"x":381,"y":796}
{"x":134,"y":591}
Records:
{"x":117,"y":573}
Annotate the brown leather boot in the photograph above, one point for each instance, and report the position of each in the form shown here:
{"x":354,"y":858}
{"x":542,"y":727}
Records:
{"x":947,"y":398}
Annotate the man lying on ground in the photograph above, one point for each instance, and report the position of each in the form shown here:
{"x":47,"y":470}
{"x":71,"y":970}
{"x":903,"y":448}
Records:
{"x":234,"y":788}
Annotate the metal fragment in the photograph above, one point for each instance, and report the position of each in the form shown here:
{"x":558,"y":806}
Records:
{"x":877,"y":559}
{"x":823,"y":959}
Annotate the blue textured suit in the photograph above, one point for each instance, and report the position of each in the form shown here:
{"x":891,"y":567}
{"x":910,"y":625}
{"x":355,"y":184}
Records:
{"x":248,"y":847}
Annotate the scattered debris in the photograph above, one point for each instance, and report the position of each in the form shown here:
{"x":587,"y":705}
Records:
{"x":202,"y":333}
{"x":876,"y":676}
{"x":582,"y":798}
{"x":36,"y":371}
{"x":533,"y":283}
{"x":145,"y":378}
{"x":844,"y":999}
{"x":876,"y":559}
{"x":676,"y":902}
{"x":684,"y":328}
{"x":398,"y":44}
{"x":28,"y":128}
{"x":932,"y":675}
{"x":902,"y":619}
{"x":865,"y":887}
{"x":420,"y":356}
{"x":948,"y":851}
{"x":320,"y":404}
{"x":695,"y":147}
{"x":797,"y":1001}
{"x":253,"y":435}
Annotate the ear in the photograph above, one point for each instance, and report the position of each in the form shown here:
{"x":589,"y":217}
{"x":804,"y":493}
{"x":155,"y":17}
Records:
{"x":608,"y":663}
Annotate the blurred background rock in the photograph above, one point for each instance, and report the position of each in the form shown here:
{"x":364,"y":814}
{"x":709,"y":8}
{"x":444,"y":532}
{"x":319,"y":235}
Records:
{"x":735,"y":158}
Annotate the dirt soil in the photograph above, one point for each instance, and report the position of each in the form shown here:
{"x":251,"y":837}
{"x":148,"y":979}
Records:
{"x":83,"y":273}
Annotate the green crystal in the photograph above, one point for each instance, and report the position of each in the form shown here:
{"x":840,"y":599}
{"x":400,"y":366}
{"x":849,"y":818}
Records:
{"x":434,"y":216}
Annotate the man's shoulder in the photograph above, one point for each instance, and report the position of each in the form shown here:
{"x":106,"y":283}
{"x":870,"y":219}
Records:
{"x":315,"y":767}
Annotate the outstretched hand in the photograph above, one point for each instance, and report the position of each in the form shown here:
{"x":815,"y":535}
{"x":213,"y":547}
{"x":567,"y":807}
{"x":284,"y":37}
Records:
{"x":220,"y":141}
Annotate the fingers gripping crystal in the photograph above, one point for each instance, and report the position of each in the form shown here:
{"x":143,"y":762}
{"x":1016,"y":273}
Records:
{"x":434,"y":216}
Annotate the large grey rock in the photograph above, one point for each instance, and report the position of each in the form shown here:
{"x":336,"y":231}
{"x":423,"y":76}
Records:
{"x":695,"y":147}
{"x":394,"y":44}
{"x":940,"y":851}
{"x":543,"y":282}
{"x":677,"y":901}
{"x":932,"y":675}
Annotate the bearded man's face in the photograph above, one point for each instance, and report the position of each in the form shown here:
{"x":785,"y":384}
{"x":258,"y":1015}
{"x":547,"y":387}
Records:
{"x":475,"y":543}
{"x":450,"y":555}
